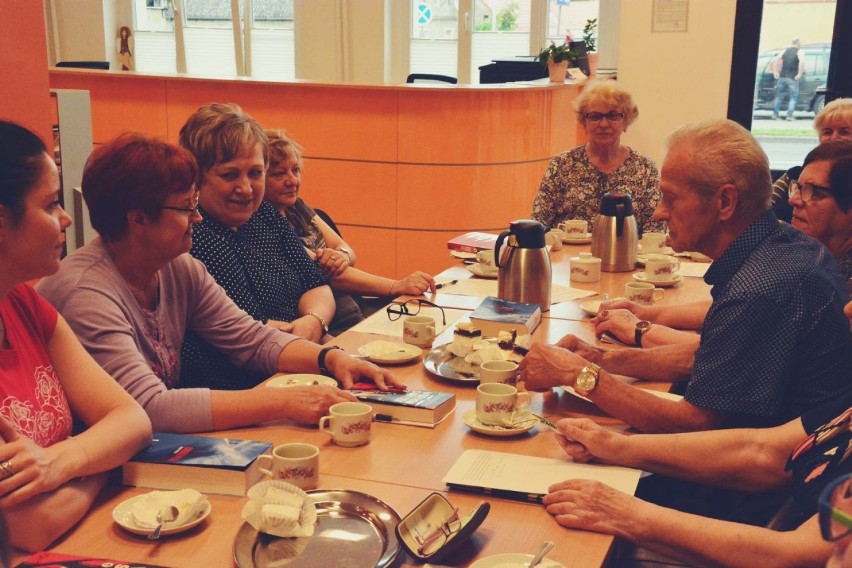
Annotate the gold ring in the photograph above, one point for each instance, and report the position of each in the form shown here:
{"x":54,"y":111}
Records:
{"x":6,"y":469}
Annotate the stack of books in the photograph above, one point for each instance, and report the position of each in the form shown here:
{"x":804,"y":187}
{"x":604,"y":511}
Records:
{"x":472,"y":242}
{"x":494,"y":315}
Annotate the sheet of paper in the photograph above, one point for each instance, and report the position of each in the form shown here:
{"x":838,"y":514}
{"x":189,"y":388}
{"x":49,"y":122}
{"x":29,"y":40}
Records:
{"x":481,"y":287}
{"x":694,"y":269}
{"x":530,"y":474}
{"x":380,"y":324}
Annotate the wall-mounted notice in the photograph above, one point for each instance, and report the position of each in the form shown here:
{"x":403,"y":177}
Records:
{"x":670,"y":15}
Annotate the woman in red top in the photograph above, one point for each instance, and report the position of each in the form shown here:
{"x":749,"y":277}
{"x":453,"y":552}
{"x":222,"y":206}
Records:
{"x":48,"y":383}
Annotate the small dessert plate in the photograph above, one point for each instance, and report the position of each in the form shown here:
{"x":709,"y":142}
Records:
{"x":300,"y":380}
{"x":675,"y":280}
{"x":665,"y":250}
{"x":592,"y":307}
{"x":123,"y":516}
{"x":477,"y":270}
{"x":513,"y":559}
{"x":462,"y":254}
{"x":524,"y":422}
{"x":389,"y":352}
{"x":587,"y":238}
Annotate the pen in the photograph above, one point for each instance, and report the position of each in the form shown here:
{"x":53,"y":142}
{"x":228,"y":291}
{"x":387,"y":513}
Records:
{"x":450,"y":283}
{"x":392,"y":420}
{"x":550,"y":425}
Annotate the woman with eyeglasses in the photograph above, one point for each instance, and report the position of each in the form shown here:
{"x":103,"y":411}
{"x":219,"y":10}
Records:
{"x":833,"y":122}
{"x":575,"y":180}
{"x":132,"y":294}
{"x":822,"y":201}
{"x":50,"y":388}
{"x":333,"y":255}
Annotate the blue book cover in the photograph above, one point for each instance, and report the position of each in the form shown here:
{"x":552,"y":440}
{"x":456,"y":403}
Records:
{"x":496,"y":314}
{"x":201,"y":451}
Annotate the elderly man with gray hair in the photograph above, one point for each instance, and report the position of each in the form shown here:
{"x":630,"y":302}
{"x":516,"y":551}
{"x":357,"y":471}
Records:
{"x":774,"y":342}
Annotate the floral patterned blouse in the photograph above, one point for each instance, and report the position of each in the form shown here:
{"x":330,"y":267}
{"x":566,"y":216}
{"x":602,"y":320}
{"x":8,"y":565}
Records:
{"x":572,"y":187}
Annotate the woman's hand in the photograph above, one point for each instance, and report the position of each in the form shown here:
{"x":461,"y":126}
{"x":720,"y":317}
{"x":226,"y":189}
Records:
{"x":349,"y":370}
{"x":309,"y":327}
{"x":308,"y":404}
{"x":415,"y":284}
{"x":332,"y":262}
{"x":619,"y":323}
{"x":26,"y":469}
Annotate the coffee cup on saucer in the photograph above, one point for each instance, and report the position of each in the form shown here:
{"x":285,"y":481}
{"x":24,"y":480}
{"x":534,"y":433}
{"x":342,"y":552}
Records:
{"x":348,"y":423}
{"x":574,"y":228}
{"x":294,"y":463}
{"x":653,"y":242}
{"x":643,"y":293}
{"x":661,"y":268}
{"x":498,"y":372}
{"x":496,"y":403}
{"x":418,"y":330}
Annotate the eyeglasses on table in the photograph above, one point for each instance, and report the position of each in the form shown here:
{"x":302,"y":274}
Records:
{"x":432,"y":541}
{"x":411,"y":308}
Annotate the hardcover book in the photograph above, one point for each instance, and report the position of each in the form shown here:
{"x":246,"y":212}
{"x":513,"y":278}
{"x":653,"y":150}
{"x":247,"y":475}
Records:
{"x":57,"y":560}
{"x":429,"y":407}
{"x":209,"y":465}
{"x":472,"y":242}
{"x":495,"y":314}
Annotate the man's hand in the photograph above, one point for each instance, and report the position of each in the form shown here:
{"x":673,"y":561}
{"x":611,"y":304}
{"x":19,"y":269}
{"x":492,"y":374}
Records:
{"x":585,"y":350}
{"x":547,"y":366}
{"x":584,"y":440}
{"x":590,"y":505}
{"x":619,"y":323}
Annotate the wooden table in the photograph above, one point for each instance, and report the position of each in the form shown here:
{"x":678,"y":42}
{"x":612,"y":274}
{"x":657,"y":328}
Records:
{"x":401,"y":466}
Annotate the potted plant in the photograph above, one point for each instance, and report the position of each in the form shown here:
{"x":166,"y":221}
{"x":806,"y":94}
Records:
{"x":557,"y":59}
{"x":590,"y":38}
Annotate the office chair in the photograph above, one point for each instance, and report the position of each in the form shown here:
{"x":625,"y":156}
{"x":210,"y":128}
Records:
{"x":430,"y":78}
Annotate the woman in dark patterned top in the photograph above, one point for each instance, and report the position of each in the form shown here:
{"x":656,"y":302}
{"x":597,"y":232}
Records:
{"x":334,"y":256}
{"x":247,"y":246}
{"x":575,"y":180}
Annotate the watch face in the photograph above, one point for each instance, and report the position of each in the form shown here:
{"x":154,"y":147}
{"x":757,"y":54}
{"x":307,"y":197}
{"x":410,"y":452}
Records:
{"x":585,"y":382}
{"x":643,"y":325}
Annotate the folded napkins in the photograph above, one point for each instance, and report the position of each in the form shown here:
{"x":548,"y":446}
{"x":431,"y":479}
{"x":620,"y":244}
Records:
{"x":280,"y":509}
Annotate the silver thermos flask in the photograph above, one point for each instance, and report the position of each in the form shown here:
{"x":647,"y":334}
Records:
{"x":524,"y":271}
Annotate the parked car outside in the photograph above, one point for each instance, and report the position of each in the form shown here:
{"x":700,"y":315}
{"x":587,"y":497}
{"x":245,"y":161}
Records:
{"x":816,"y":72}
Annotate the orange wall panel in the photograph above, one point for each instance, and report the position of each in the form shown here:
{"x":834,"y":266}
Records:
{"x":357,"y":193}
{"x":375,"y":248}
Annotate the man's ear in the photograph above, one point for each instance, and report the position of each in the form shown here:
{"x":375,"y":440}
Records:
{"x":728,"y":198}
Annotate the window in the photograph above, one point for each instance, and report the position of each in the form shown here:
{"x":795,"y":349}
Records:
{"x":272,"y":40}
{"x":154,"y":37}
{"x":209,"y":37}
{"x":434,"y":37}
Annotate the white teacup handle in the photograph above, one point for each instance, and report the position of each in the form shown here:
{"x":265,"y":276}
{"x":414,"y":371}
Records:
{"x":262,"y":470}
{"x":658,"y":297}
{"x":522,"y":401}
{"x":676,"y":267}
{"x":431,"y":329}
{"x":325,"y":425}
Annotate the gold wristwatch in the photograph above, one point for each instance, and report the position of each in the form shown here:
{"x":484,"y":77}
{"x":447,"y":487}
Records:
{"x":587,"y":380}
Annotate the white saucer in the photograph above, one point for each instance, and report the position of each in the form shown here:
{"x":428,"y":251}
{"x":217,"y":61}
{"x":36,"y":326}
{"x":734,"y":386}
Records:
{"x":474,"y":424}
{"x":677,"y":279}
{"x":301,"y":380}
{"x":591,"y":307}
{"x":477,"y":270}
{"x":513,"y":559}
{"x":668,"y":251}
{"x":462,"y":254}
{"x":578,"y":240}
{"x":123,"y":516}
{"x":390,"y":352}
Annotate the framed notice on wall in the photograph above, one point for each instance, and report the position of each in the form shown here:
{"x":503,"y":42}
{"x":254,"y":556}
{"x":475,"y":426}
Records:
{"x":670,"y":16}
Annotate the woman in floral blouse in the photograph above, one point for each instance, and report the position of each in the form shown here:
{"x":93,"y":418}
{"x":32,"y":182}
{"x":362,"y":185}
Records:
{"x":575,"y":180}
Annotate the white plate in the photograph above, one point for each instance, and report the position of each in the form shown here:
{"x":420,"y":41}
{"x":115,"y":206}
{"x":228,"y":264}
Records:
{"x":477,"y":270}
{"x":513,"y":559}
{"x":640,"y":277}
{"x":301,"y":380}
{"x":392,"y":352}
{"x":591,"y":307}
{"x":462,"y":254}
{"x":578,"y":240}
{"x":665,"y":250}
{"x":524,"y":417}
{"x":123,"y":516}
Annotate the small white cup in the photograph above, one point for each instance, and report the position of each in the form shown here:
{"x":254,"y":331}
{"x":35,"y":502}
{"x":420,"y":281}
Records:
{"x":418,"y":330}
{"x":643,"y":293}
{"x":653,"y":242}
{"x":485,"y":258}
{"x":553,"y":239}
{"x":498,"y":372}
{"x":349,"y":423}
{"x":496,"y":403}
{"x":574,"y":228}
{"x":585,"y":268}
{"x":294,"y":463}
{"x":660,"y":267}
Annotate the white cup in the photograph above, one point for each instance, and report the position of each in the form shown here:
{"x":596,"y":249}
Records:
{"x":418,"y":330}
{"x":660,"y":267}
{"x":585,"y":268}
{"x":498,"y":372}
{"x":496,"y":403}
{"x":485,"y":258}
{"x":294,"y":463}
{"x":553,"y":239}
{"x":349,"y":423}
{"x":653,"y":242}
{"x":642,"y":293}
{"x":574,"y":228}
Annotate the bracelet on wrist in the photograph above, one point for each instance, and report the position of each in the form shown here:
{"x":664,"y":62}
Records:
{"x":391,"y":288}
{"x":322,"y":320}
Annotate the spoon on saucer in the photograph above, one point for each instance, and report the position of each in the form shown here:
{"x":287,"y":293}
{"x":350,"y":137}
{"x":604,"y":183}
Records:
{"x":545,"y":548}
{"x":164,"y":515}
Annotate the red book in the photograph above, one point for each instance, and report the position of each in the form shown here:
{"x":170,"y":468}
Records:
{"x":57,"y":560}
{"x":472,"y":242}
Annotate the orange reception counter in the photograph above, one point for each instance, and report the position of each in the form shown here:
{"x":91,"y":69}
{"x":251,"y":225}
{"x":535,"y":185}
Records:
{"x":400,"y":168}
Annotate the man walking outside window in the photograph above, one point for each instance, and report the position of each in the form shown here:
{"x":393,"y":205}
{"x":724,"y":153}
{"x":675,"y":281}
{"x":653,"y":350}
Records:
{"x":788,"y":69}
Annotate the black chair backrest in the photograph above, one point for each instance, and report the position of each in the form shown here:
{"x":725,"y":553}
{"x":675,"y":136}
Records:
{"x":422,"y":77}
{"x":85,"y":64}
{"x":324,"y":216}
